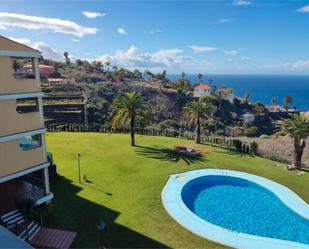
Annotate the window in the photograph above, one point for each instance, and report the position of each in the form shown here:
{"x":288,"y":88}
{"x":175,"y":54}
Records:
{"x":26,"y":105}
{"x":23,"y":68}
{"x":30,"y":142}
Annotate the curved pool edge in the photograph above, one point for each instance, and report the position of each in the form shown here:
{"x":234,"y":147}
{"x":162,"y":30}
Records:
{"x":176,"y":208}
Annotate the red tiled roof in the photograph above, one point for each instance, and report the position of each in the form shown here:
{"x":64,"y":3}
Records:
{"x":55,"y":79}
{"x":273,"y":107}
{"x":40,"y":66}
{"x":221,"y":90}
{"x":203,"y":86}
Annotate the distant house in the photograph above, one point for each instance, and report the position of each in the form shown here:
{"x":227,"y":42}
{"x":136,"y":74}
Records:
{"x":248,"y":117}
{"x":224,"y":93}
{"x":275,"y":108}
{"x":202,"y":89}
{"x":59,"y":81}
{"x":45,"y":70}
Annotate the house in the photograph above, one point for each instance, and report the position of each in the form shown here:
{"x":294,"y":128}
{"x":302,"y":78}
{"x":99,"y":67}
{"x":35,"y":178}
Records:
{"x":24,"y":168}
{"x":57,"y":81}
{"x":226,"y":94}
{"x":248,"y":117}
{"x":275,"y":108}
{"x":45,"y":70}
{"x":202,"y":90}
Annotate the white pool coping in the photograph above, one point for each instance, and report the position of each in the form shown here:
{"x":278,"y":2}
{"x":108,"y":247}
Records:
{"x":174,"y":205}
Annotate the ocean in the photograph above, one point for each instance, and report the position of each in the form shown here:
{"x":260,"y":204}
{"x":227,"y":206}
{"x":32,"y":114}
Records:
{"x":263,"y":87}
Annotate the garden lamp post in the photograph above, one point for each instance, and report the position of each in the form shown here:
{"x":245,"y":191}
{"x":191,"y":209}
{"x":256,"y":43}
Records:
{"x":78,"y":156}
{"x":101,"y":226}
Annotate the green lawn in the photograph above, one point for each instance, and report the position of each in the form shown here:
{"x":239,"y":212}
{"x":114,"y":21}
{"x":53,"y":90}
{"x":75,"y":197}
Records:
{"x":125,"y":184}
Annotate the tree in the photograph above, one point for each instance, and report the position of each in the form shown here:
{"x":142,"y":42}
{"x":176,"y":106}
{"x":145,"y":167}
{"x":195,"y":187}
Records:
{"x":79,"y":63}
{"x":66,"y":57}
{"x":183,"y":75}
{"x":195,"y":112}
{"x":107,"y":64}
{"x":246,"y":98}
{"x":287,"y":100}
{"x":296,"y":127}
{"x":273,"y":100}
{"x":130,"y":107}
{"x":200,"y":77}
{"x":16,"y":65}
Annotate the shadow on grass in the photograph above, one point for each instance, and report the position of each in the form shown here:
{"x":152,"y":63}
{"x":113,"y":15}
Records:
{"x":168,"y":154}
{"x":72,"y":212}
{"x":233,"y":153}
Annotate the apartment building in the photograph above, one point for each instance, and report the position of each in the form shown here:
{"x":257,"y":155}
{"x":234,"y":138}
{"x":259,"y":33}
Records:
{"x":23,"y":162}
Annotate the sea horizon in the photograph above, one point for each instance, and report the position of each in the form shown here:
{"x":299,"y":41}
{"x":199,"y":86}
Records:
{"x":261,"y":87}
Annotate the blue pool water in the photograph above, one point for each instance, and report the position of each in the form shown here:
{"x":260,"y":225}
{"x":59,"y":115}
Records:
{"x":243,"y":206}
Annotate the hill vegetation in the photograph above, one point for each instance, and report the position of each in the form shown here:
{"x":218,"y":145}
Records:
{"x":102,"y":83}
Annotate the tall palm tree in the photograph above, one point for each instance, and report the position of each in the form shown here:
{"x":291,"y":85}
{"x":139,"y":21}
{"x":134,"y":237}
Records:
{"x":66,"y":57}
{"x":296,"y":127}
{"x":195,"y":112}
{"x":107,"y":64}
{"x":183,"y":75}
{"x":129,"y":107}
{"x":287,"y":100}
{"x":200,"y":77}
{"x":273,"y":100}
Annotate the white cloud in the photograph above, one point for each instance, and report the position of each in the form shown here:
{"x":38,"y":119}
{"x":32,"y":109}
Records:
{"x":74,"y":40}
{"x":44,"y":23}
{"x":200,"y":49}
{"x":223,"y":20}
{"x":2,"y":28}
{"x":304,"y":9}
{"x":245,"y":58}
{"x":47,"y":51}
{"x":301,"y":65}
{"x":122,"y":31}
{"x":229,"y":59}
{"x":168,"y":56}
{"x":152,"y":32}
{"x":132,"y":58}
{"x":230,"y":52}
{"x":241,"y":3}
{"x":92,"y":15}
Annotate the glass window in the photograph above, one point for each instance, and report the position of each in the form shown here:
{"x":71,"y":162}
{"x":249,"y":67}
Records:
{"x":23,"y":68}
{"x":26,"y":105}
{"x":30,"y":142}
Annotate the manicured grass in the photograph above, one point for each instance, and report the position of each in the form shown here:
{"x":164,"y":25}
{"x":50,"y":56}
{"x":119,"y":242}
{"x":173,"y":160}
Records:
{"x":125,"y":184}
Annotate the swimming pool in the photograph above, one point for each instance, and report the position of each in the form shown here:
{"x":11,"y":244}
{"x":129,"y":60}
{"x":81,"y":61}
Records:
{"x":237,"y":209}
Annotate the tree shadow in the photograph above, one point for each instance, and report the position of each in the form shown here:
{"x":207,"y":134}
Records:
{"x":167,"y":154}
{"x":233,"y":153}
{"x":72,"y":212}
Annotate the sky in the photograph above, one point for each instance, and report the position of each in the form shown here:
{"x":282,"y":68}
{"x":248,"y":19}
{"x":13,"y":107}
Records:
{"x":209,"y":37}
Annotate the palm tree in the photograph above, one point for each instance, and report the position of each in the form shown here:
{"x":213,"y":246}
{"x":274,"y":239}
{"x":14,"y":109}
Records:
{"x":129,"y":107}
{"x":287,"y":100}
{"x":273,"y":100}
{"x":183,"y":75}
{"x":246,"y":98}
{"x":107,"y":64}
{"x":296,"y":127}
{"x":200,"y":77}
{"x":66,"y":57}
{"x":195,"y":112}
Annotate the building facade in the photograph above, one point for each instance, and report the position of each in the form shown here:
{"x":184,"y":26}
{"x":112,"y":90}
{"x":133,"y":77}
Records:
{"x":24,"y":166}
{"x":202,"y":90}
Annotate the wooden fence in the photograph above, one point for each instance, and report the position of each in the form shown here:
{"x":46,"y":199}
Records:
{"x":220,"y":141}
